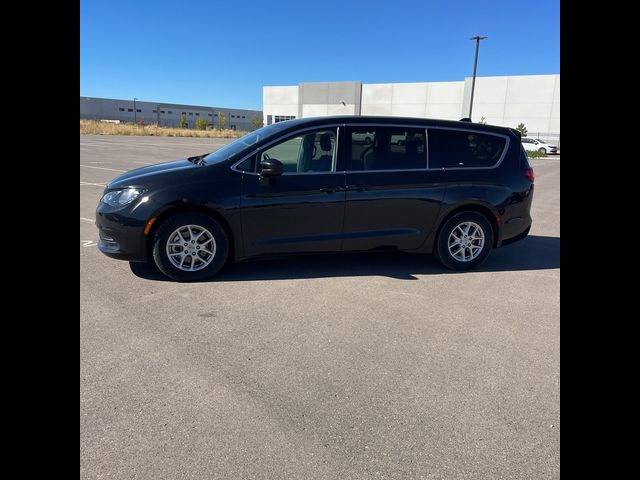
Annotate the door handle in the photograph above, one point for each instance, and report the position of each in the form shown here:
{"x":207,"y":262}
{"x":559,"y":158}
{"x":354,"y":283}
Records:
{"x":357,"y":188}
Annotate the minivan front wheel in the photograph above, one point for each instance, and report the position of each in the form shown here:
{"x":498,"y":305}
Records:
{"x":190,"y":246}
{"x":543,"y":151}
{"x":464,"y":241}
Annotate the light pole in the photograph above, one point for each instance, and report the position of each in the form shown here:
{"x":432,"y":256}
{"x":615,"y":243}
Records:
{"x":477,"y":38}
{"x":135,"y":117}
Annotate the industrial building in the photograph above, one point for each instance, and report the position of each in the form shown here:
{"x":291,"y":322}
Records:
{"x":164,"y":114}
{"x":533,"y":100}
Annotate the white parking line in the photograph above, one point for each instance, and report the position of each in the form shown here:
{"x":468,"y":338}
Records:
{"x":94,"y":184}
{"x":144,"y":163}
{"x":102,"y":168}
{"x":86,"y":219}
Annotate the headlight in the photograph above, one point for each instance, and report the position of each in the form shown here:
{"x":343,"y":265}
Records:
{"x":118,"y":198}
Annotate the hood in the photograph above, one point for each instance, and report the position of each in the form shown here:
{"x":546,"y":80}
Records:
{"x":142,"y":174}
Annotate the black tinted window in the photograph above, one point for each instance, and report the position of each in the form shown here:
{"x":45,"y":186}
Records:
{"x":247,"y":165}
{"x":387,"y":148}
{"x":459,"y":148}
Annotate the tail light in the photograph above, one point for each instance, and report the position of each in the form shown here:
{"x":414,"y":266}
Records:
{"x":529,"y":173}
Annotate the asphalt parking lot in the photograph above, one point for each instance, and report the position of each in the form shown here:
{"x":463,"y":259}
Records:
{"x":323,"y":367}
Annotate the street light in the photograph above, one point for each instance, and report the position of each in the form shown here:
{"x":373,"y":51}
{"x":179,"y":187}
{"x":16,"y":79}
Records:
{"x":477,"y":38}
{"x":135,"y":117}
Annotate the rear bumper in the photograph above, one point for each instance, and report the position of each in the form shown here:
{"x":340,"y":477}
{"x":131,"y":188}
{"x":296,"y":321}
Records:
{"x":516,"y":229}
{"x":517,"y":238}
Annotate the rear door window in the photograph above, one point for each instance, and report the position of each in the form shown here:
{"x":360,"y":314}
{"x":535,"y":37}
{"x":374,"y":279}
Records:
{"x":464,"y":149}
{"x":387,"y":148}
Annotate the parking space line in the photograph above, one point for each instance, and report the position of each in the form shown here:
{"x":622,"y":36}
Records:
{"x":89,"y":220}
{"x":102,"y":168}
{"x":94,"y":184}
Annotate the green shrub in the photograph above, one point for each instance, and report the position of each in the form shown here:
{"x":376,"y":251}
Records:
{"x":222,"y":121}
{"x":257,"y":122}
{"x":522,"y":129}
{"x":183,"y":121}
{"x":201,"y":123}
{"x":535,"y":154}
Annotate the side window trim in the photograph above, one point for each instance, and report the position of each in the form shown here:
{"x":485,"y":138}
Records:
{"x":346,"y":126}
{"x":481,"y":132}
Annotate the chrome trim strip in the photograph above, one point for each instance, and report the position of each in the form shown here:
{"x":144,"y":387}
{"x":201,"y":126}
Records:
{"x":442,"y":169}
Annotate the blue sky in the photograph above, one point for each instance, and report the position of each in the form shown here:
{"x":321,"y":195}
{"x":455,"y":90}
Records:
{"x":221,"y":53}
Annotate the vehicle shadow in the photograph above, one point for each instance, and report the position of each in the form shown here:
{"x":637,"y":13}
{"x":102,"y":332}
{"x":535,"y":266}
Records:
{"x":532,"y":253}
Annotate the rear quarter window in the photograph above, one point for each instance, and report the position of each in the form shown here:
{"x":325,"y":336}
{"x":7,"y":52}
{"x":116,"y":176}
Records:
{"x":464,"y":149}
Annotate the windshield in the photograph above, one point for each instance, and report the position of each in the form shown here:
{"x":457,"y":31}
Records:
{"x":241,"y":144}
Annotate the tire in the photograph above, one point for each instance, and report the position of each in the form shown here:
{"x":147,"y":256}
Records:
{"x":200,"y":232}
{"x":479,"y":226}
{"x":543,"y":151}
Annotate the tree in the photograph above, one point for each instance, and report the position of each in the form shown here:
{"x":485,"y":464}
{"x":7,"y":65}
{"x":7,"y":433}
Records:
{"x":201,"y":123}
{"x":257,"y":122}
{"x":482,"y":121}
{"x":522,"y":129}
{"x":222,"y":120}
{"x":183,"y":121}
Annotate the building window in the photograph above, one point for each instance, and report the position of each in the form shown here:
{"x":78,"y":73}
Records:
{"x":138,"y":110}
{"x":197,"y":114}
{"x":215,"y":114}
{"x":209,"y":114}
{"x":242,"y":116}
{"x":169,"y":112}
{"x":121,"y":109}
{"x":184,"y":113}
{"x":161,"y":111}
{"x":190,"y":113}
{"x":154,"y":111}
{"x":129,"y":109}
{"x":283,"y":118}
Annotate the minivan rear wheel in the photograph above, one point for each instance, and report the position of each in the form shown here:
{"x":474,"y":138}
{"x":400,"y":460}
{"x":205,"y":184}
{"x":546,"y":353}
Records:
{"x":190,"y":246}
{"x":464,"y":241}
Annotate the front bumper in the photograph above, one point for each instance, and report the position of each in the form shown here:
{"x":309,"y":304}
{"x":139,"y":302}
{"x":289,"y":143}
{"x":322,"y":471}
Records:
{"x":121,"y":235}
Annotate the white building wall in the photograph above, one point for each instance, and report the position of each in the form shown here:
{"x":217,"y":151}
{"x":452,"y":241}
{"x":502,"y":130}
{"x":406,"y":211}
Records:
{"x":280,"y":101}
{"x":428,"y":99}
{"x":507,"y":101}
{"x":444,"y":100}
{"x":376,"y":98}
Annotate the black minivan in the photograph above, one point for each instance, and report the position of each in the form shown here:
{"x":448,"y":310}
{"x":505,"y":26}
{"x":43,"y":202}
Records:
{"x":329,"y":184}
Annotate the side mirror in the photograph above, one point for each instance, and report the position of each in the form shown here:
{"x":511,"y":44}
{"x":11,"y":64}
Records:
{"x":271,"y":167}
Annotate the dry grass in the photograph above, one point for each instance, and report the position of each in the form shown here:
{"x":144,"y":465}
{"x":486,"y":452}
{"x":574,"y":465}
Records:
{"x":104,"y":128}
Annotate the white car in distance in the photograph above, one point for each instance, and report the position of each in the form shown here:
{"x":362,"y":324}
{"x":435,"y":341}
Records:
{"x":539,"y":145}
